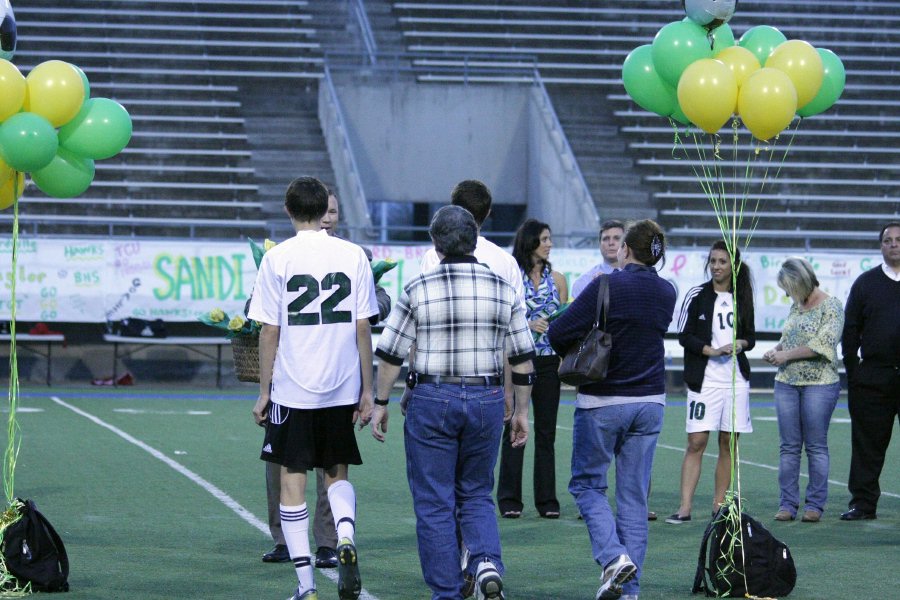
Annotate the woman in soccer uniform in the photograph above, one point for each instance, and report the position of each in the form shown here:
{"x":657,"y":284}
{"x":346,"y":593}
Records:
{"x":716,"y":324}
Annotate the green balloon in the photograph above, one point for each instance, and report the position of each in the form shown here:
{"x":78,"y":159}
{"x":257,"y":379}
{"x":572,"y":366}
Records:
{"x":644,"y":84}
{"x":27,"y":142}
{"x":833,"y":80}
{"x":761,"y":41}
{"x":84,"y":80}
{"x":679,"y":116}
{"x":676,"y":46}
{"x":100,"y":129}
{"x":66,"y":176}
{"x":722,"y":37}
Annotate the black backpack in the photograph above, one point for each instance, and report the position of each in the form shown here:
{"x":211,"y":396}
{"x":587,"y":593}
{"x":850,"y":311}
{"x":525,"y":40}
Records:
{"x":766,"y":562}
{"x":34,"y":552}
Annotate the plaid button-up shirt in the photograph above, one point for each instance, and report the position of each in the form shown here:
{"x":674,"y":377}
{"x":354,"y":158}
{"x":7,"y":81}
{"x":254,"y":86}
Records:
{"x":462,"y":317}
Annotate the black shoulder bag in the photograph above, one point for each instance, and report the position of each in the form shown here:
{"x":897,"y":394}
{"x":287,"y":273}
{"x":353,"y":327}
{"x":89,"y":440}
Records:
{"x":587,"y":361}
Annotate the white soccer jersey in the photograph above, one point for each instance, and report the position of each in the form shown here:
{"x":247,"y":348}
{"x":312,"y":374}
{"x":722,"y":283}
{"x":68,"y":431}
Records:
{"x":497,"y":260}
{"x":315,"y":287}
{"x":718,"y":368}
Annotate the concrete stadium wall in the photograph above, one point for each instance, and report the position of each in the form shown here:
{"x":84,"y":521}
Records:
{"x":414,"y":142}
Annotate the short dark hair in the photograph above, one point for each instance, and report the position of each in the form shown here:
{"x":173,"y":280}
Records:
{"x":646,"y":240}
{"x":886,"y":227}
{"x":453,"y":231}
{"x":610,"y":224}
{"x":528,"y":238}
{"x":473,"y":196}
{"x":306,"y":199}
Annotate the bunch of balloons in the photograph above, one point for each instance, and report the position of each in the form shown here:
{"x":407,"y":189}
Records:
{"x":695,"y":72}
{"x":52,"y":128}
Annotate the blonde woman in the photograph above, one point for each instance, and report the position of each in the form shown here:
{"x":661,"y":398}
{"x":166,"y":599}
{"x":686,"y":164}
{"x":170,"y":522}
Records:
{"x":806,"y":387}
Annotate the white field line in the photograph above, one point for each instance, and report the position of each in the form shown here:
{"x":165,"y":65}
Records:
{"x":141,"y":411}
{"x":217,"y":493}
{"x":842,"y":484}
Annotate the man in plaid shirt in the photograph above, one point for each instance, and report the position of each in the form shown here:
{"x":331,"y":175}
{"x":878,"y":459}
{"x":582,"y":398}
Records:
{"x":461,"y":318}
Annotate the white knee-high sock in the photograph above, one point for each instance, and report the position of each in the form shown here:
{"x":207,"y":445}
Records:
{"x":342,"y":498}
{"x":295,"y":526}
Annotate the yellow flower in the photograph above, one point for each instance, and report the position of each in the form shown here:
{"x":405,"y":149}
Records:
{"x":216,"y":315}
{"x":236,"y":323}
{"x":269,"y":244}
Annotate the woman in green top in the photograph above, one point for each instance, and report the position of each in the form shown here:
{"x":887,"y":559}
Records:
{"x":806,"y":387}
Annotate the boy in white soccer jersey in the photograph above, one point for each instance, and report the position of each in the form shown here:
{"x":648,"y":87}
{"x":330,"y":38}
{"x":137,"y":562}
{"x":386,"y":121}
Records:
{"x":314,"y":295}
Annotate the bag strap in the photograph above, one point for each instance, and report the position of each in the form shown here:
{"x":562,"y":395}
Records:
{"x":602,"y":301}
{"x":700,"y":584}
{"x":57,"y":541}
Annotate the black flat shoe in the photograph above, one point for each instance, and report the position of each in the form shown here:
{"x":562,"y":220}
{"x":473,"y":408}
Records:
{"x":326,"y":558}
{"x":278,"y":554}
{"x":857,"y":514}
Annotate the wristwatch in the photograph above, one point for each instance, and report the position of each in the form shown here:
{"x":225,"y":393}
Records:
{"x":379,"y":402}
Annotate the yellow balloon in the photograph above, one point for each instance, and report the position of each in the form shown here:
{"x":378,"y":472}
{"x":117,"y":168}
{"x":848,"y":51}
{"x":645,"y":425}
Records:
{"x":12,"y":89}
{"x":54,"y":90}
{"x":741,"y":62}
{"x":707,"y":93}
{"x":767,"y":103}
{"x":799,"y":61}
{"x":6,"y":172}
{"x":6,"y":191}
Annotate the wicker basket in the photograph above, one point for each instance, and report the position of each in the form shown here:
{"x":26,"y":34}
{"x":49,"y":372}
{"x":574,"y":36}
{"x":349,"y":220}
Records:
{"x":245,"y":349}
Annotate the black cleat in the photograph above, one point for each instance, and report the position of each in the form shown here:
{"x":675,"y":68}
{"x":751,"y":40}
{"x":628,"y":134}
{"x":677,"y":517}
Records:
{"x":349,"y":583}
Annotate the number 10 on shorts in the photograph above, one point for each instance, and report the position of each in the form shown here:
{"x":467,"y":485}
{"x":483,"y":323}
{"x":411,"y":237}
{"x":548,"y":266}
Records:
{"x":696,"y":410}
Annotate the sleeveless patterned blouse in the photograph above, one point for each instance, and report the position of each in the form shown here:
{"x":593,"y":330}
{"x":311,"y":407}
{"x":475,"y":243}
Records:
{"x":541,"y":303}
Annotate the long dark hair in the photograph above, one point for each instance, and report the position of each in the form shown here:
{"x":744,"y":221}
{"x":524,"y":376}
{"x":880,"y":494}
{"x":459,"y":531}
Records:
{"x":528,"y":238}
{"x":744,"y":294}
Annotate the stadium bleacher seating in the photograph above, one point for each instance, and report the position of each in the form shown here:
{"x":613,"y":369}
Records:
{"x":578,"y":47}
{"x":206,"y":146}
{"x":186,"y":73}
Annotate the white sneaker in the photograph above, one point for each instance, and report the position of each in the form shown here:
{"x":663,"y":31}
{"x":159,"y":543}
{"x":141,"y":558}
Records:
{"x":489,"y":583}
{"x":615,"y":575}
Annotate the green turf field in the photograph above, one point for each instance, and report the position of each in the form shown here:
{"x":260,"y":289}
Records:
{"x":161,"y":495}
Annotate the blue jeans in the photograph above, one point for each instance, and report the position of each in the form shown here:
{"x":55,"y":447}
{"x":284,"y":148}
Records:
{"x":804,"y":414}
{"x":626,"y":433}
{"x":452,"y":435}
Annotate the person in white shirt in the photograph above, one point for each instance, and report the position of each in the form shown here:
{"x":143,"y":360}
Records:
{"x":475,"y":197}
{"x":324,"y":533}
{"x":611,"y":233}
{"x":314,"y":295}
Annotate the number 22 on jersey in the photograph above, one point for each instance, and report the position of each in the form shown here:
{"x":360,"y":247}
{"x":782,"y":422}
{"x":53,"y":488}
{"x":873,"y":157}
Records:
{"x":312,"y":289}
